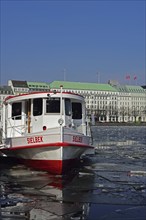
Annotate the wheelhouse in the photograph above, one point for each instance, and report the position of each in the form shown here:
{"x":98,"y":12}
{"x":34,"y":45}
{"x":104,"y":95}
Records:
{"x":37,"y":112}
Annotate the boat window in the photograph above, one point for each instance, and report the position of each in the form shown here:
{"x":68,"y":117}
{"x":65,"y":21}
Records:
{"x":67,"y":107}
{"x":76,"y":110}
{"x":53,"y":105}
{"x":37,"y":107}
{"x":16,"y":110}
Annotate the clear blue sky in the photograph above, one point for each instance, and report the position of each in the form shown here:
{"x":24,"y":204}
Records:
{"x":39,"y":39}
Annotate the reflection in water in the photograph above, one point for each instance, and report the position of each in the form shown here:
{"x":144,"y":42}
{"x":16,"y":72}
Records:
{"x":109,"y":185}
{"x":29,"y":194}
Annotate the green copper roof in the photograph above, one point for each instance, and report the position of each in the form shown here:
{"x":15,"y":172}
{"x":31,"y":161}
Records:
{"x":130,"y":89}
{"x":81,"y":86}
{"x":135,"y":89}
{"x":37,"y":84}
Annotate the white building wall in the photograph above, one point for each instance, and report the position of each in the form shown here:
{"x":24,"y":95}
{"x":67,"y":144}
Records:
{"x":114,"y":106}
{"x":108,"y":106}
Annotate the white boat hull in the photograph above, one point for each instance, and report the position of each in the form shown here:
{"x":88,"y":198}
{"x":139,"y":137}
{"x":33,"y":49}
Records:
{"x":45,"y":151}
{"x":45,"y":130}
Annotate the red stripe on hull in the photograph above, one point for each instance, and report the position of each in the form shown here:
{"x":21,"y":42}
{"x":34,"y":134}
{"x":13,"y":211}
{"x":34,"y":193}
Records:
{"x":57,"y":144}
{"x":52,"y":166}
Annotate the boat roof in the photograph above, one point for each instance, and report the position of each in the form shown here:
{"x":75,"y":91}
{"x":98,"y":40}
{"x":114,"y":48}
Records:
{"x":33,"y":95}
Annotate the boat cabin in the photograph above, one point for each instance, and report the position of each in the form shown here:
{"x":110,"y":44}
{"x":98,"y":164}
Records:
{"x":37,"y":112}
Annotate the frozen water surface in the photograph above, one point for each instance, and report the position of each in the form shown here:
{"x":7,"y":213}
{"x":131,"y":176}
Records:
{"x":108,"y":185}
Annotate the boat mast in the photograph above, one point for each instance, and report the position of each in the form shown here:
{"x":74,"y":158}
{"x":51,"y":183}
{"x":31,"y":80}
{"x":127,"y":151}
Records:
{"x":29,"y":114}
{"x":61,"y":119}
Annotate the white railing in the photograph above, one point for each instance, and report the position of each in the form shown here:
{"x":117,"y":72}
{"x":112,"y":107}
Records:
{"x":16,"y":127}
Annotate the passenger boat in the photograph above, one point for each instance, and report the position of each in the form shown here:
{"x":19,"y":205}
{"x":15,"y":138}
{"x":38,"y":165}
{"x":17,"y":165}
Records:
{"x":46,"y":130}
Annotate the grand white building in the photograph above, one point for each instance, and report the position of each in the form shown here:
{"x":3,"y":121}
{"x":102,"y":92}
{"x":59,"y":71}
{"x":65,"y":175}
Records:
{"x":106,"y":102}
{"x":110,"y":102}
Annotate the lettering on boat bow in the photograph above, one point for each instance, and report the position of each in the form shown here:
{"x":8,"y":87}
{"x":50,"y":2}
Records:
{"x":36,"y":139}
{"x":77,"y":139}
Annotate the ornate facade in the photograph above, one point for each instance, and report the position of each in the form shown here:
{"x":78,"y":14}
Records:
{"x":105,"y":102}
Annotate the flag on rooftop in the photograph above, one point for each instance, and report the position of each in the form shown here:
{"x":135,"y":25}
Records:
{"x":127,"y":76}
{"x":135,"y":77}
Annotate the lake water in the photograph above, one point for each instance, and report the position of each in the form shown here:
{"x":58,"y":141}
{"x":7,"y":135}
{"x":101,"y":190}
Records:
{"x":110,"y":185}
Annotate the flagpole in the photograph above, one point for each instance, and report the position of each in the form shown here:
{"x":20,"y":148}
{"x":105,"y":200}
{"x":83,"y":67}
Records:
{"x":135,"y":80}
{"x":128,"y":78}
{"x":98,"y":77}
